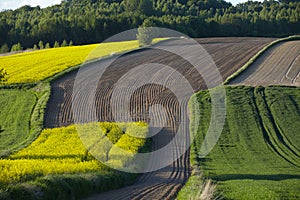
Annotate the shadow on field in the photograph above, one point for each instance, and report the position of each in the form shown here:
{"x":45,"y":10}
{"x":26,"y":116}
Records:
{"x":274,"y":177}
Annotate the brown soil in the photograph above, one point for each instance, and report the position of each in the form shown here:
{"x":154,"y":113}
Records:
{"x":229,"y":55}
{"x":280,"y":65}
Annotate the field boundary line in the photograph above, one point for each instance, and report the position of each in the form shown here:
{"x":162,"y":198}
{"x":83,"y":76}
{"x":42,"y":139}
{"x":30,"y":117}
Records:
{"x":42,"y":91}
{"x":257,"y":55}
{"x":36,"y":122}
{"x":71,"y":69}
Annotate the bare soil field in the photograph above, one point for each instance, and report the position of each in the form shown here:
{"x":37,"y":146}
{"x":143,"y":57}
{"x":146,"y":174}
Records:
{"x":229,"y":55}
{"x":280,"y":65}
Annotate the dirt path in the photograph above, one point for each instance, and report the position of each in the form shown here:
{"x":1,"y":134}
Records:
{"x":229,"y":55}
{"x":280,"y":65}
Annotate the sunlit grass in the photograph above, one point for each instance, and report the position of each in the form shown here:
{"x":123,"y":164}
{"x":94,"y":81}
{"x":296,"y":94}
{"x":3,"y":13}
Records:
{"x":16,"y":107}
{"x":257,"y":154}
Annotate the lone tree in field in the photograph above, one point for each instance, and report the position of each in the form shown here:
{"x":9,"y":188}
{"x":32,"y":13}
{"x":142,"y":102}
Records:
{"x":145,"y":33}
{"x":3,"y":76}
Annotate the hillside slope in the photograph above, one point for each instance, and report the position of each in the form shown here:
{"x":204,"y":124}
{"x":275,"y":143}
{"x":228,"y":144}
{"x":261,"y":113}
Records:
{"x":257,"y":155}
{"x":280,"y":65}
{"x":164,"y":183}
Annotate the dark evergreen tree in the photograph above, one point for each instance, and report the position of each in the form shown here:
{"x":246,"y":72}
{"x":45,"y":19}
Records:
{"x":92,"y":21}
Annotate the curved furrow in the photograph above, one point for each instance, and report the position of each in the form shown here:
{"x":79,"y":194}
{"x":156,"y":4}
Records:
{"x":164,"y":183}
{"x":272,"y":67}
{"x":155,"y":192}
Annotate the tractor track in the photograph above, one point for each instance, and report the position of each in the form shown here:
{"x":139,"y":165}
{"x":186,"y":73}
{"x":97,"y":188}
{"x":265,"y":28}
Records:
{"x":229,"y":55}
{"x":279,"y":65}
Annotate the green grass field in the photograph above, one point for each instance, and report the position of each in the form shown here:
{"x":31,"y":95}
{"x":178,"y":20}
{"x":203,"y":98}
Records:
{"x":16,"y":107}
{"x":257,"y":155}
{"x":53,"y":163}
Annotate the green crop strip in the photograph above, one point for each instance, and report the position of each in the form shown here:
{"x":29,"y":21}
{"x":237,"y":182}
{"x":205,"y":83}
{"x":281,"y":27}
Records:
{"x":257,"y":155}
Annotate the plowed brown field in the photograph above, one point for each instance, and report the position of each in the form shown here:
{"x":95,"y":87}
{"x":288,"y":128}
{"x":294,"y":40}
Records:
{"x":280,"y":65}
{"x":229,"y":55}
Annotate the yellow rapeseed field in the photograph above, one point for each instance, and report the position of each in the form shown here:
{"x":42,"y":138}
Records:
{"x":37,"y":65}
{"x":60,"y":150}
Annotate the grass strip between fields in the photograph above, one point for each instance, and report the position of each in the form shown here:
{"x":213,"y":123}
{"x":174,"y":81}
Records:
{"x":22,"y":116}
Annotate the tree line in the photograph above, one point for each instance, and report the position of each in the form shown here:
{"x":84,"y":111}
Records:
{"x":92,"y":21}
{"x":18,"y":47}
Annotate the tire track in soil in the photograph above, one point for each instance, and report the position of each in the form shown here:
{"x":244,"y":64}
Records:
{"x":279,"y":65}
{"x":229,"y":55}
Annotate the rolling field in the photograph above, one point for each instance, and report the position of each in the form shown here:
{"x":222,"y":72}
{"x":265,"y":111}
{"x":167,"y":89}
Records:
{"x":166,"y":182}
{"x":280,"y":65}
{"x":57,"y":160}
{"x":257,"y":155}
{"x":47,"y":166}
{"x":238,"y":49}
{"x":230,"y":54}
{"x":35,"y":66}
{"x":16,"y":107}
